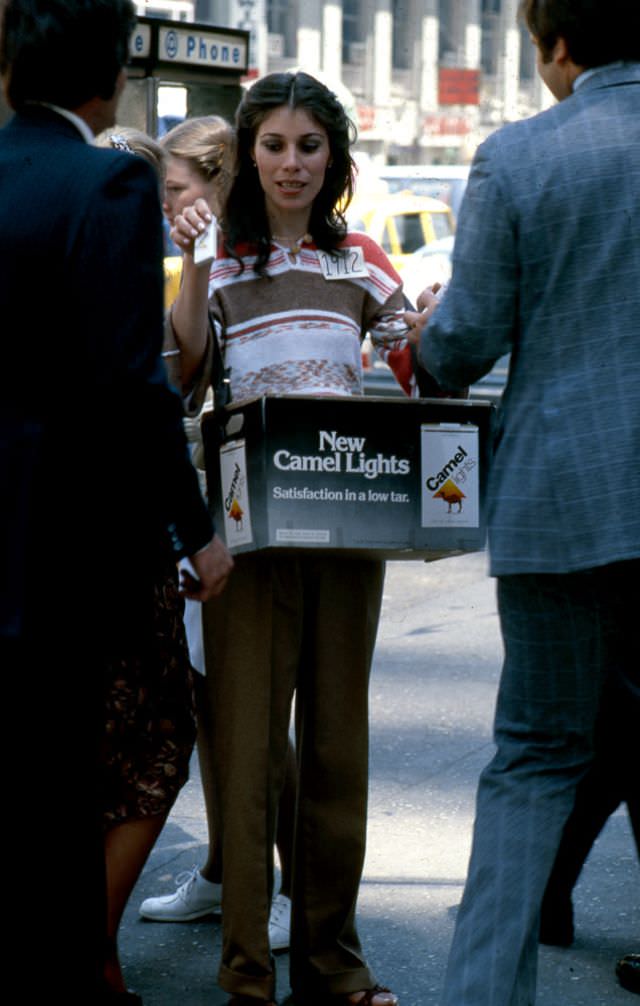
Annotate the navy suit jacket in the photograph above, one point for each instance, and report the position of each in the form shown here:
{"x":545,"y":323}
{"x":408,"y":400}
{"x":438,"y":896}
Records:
{"x":93,"y":461}
{"x":547,"y":267}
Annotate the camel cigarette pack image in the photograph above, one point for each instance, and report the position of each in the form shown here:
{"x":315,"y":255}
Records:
{"x":376,"y":477}
{"x":450,"y":475}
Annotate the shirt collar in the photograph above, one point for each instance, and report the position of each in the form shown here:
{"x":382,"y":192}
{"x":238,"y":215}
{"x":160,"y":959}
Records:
{"x":82,"y":127}
{"x":592,"y":71}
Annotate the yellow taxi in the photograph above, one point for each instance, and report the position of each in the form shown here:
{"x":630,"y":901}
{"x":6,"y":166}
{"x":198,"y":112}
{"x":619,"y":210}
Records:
{"x":172,"y":278}
{"x":401,"y":223}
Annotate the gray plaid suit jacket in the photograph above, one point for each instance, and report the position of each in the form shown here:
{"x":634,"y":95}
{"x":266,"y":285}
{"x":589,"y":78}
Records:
{"x":547,"y":267}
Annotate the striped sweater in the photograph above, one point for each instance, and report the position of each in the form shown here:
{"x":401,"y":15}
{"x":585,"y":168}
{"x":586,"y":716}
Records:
{"x":293,"y":331}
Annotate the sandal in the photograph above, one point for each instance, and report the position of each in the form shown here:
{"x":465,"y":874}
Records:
{"x":344,"y":999}
{"x":369,"y":996}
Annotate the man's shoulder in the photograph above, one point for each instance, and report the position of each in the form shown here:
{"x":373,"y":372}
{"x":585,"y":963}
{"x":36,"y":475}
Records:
{"x":558,"y":139}
{"x":49,"y":143}
{"x":37,"y":127}
{"x":605,"y":85}
{"x":523,"y":132}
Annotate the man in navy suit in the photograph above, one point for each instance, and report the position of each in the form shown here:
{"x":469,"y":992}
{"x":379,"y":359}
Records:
{"x":547,"y":267}
{"x":95,"y":472}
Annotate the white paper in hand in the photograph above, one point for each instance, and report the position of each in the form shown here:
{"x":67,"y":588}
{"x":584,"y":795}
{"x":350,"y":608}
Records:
{"x":205,"y":245}
{"x":193,"y":624}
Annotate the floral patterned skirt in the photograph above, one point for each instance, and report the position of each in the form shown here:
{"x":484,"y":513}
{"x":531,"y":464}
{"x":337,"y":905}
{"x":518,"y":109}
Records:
{"x":150,"y":721}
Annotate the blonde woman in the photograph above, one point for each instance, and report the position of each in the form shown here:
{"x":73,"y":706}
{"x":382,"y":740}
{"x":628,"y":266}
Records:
{"x":199,"y":156}
{"x":199,"y":162}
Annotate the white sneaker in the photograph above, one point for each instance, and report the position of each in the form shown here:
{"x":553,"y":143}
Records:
{"x":280,"y":922}
{"x":194,"y":898}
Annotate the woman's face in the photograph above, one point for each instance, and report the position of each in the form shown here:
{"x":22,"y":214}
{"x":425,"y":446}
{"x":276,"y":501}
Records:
{"x":183,"y":184}
{"x":292,"y":153}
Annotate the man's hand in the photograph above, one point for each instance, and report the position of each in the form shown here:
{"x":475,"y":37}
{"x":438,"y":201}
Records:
{"x":427,"y":300}
{"x":416,"y":320}
{"x":212,"y":565}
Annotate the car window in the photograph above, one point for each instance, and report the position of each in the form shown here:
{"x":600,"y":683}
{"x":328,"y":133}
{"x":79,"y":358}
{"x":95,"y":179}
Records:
{"x":449,"y":190}
{"x":442,"y":225}
{"x":423,"y":187}
{"x":387,"y":239}
{"x":410,"y":232}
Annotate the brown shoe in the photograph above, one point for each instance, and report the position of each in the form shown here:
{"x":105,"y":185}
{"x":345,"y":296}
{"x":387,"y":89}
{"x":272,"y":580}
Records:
{"x":628,"y":972}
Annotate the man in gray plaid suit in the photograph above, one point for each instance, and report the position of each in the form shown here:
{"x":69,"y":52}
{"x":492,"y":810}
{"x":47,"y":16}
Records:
{"x":547,"y":267}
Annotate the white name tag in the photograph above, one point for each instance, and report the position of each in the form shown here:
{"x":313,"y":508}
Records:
{"x":349,"y":264}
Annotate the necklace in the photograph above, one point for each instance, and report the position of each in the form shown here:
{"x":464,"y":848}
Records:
{"x":293,"y":245}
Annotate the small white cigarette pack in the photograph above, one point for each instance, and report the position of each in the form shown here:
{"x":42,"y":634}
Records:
{"x":206,"y":244}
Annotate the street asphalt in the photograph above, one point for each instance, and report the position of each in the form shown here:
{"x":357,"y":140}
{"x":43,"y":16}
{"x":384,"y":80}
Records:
{"x":432,"y":695}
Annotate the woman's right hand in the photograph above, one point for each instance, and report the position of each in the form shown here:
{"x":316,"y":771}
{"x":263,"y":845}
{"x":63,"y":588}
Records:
{"x":189,"y":317}
{"x":188,"y":224}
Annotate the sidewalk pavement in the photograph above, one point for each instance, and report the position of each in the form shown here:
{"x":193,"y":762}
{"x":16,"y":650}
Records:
{"x":432,"y":695}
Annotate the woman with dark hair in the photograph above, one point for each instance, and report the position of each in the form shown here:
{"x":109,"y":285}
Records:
{"x":304,"y":623}
{"x":247,"y":215}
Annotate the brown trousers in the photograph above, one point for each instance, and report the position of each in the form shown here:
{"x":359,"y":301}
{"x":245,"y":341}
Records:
{"x":308,"y":625}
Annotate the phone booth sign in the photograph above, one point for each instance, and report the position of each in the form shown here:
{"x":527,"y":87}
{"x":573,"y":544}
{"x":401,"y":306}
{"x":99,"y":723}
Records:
{"x":156,"y":43}
{"x":208,"y":61}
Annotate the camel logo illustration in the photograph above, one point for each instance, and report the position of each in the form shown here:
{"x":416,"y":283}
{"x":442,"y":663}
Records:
{"x":235,"y":495}
{"x":232,"y":500}
{"x":236,"y":513}
{"x":450,"y":474}
{"x":451,"y":495}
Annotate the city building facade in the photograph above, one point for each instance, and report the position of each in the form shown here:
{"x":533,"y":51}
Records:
{"x":425,"y":80}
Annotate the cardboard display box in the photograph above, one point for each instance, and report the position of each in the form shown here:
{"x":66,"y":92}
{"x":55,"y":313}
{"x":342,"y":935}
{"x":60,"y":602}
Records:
{"x":376,"y":477}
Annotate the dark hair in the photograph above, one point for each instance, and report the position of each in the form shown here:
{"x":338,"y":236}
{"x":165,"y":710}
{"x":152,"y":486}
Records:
{"x":596,"y":31}
{"x":245,"y":215}
{"x":64,"y":51}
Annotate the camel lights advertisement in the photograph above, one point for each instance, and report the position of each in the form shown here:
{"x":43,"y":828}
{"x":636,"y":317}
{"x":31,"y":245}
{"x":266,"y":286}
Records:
{"x":378,"y":477}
